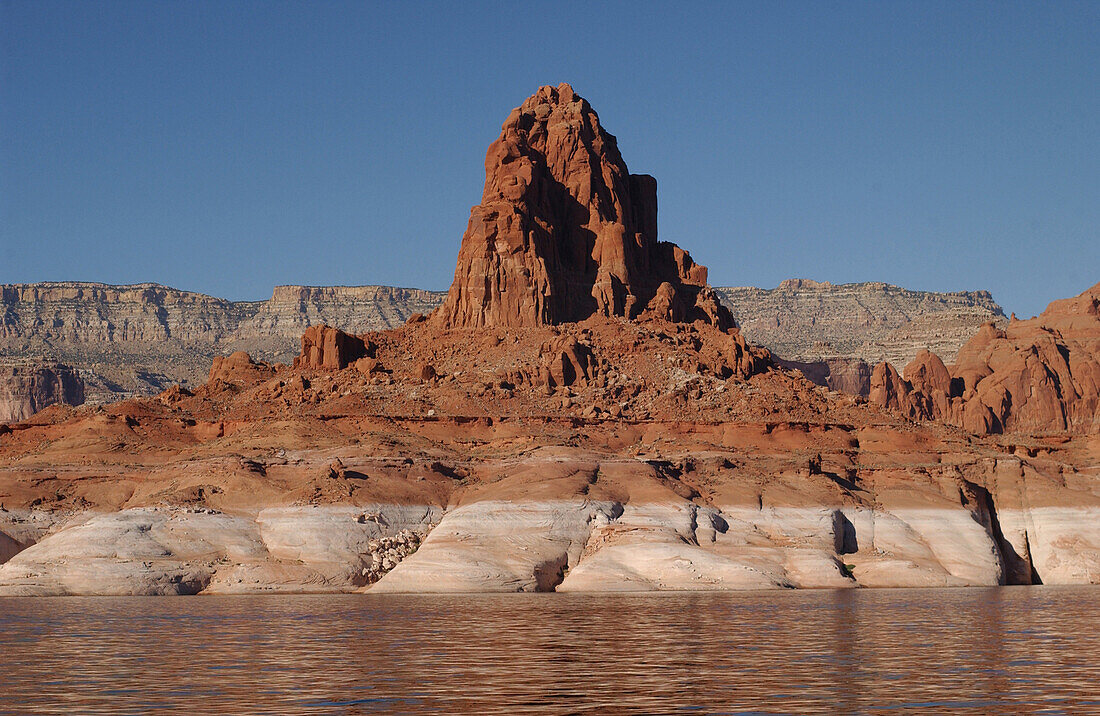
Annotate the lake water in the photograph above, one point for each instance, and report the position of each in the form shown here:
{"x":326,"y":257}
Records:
{"x":1024,"y":649}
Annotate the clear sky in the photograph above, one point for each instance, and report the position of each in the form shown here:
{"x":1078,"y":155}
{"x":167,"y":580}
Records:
{"x":226,"y":147}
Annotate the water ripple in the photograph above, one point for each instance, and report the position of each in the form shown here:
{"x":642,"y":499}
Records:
{"x":866,"y":651}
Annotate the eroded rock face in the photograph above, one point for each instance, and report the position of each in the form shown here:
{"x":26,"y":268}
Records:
{"x":171,"y":551}
{"x":141,"y":339}
{"x":564,"y":231}
{"x":1040,"y":375}
{"x":567,"y":361}
{"x":26,"y":389}
{"x":846,"y":375}
{"x":327,"y":348}
{"x":237,"y":368}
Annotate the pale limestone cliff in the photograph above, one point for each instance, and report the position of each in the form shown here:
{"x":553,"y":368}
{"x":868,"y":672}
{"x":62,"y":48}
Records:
{"x":556,"y":545}
{"x":803,"y":320}
{"x":163,"y":551}
{"x":140,"y":339}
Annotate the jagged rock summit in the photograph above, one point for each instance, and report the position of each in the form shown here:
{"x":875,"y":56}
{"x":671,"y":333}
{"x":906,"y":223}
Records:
{"x":564,"y":231}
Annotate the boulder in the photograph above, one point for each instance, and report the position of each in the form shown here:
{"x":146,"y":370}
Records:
{"x":567,"y":361}
{"x":236,"y":368}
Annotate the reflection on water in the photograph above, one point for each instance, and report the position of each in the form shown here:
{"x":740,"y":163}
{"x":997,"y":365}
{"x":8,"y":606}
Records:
{"x":962,"y":650}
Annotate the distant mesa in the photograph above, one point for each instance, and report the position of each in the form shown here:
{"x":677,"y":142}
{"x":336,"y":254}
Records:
{"x":564,"y":231}
{"x":810,"y":321}
{"x":798,"y":284}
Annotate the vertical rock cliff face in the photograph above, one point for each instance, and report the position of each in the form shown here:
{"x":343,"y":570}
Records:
{"x":26,"y":389}
{"x":564,"y":231}
{"x":327,"y":348}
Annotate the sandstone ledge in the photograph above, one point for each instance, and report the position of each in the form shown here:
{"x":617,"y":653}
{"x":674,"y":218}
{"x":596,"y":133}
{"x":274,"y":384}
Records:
{"x":554,"y":545}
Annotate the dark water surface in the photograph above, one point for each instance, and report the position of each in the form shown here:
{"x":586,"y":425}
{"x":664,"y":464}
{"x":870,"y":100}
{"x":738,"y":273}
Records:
{"x":1001,"y":650}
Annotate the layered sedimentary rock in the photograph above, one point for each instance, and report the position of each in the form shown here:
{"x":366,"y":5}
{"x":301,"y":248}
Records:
{"x":26,"y":388}
{"x":164,"y":550}
{"x":809,"y":321}
{"x":1036,"y":376}
{"x":140,"y":339}
{"x":847,"y":375}
{"x":331,"y":348}
{"x":564,"y":231}
{"x":735,"y":506}
{"x":644,"y":470}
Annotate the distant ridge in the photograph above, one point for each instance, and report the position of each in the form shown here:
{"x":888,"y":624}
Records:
{"x":138,"y":339}
{"x":807,"y":320}
{"x":141,"y":338}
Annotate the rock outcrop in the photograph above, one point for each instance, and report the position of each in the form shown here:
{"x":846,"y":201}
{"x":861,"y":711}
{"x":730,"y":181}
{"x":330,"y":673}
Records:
{"x":564,"y":231}
{"x":871,"y":509}
{"x":238,"y":368}
{"x":846,"y":375}
{"x":327,"y":348}
{"x":172,"y":551}
{"x":1036,"y":376}
{"x":27,"y":388}
{"x":567,"y":361}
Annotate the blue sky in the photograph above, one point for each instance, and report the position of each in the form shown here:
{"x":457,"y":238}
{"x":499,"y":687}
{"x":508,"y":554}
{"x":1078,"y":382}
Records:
{"x":226,"y":147}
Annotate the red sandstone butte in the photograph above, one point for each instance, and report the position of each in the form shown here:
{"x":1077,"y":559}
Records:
{"x":564,"y":231}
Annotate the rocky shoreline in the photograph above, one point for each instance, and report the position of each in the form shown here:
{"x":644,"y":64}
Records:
{"x":504,"y":546}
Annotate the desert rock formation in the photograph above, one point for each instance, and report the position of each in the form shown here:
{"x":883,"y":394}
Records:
{"x":846,"y":375}
{"x":564,"y":231}
{"x":141,"y":339}
{"x":331,"y":348}
{"x":26,"y":388}
{"x":138,"y":340}
{"x":1036,"y":376}
{"x":499,"y":446}
{"x":228,"y":493}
